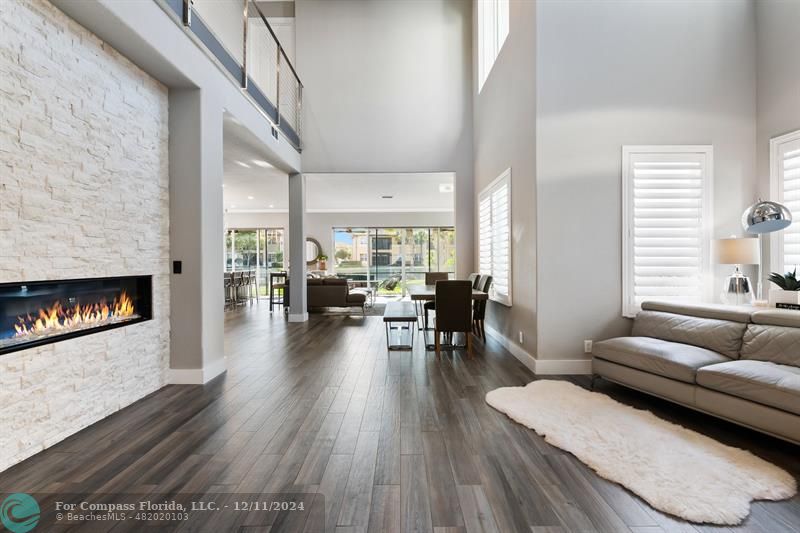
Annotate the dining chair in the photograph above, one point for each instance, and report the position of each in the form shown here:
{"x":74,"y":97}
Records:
{"x":277,"y":286}
{"x":454,"y":311}
{"x":479,"y":308}
{"x":474,"y":278}
{"x":430,"y":279}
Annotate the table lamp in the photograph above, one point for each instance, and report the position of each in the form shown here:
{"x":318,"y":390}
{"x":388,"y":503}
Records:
{"x":765,"y":217}
{"x":737,"y":289}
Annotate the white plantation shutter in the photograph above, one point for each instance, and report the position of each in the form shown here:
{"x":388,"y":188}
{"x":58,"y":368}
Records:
{"x":785,"y":183}
{"x":494,"y":233}
{"x":667,"y":192}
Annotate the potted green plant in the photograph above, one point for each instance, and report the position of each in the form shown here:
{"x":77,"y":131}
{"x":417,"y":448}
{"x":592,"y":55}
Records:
{"x":788,"y":291}
{"x":323,"y":262}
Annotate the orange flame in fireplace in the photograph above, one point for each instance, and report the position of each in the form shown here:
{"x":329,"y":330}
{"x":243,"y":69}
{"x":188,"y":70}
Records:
{"x":57,"y":317}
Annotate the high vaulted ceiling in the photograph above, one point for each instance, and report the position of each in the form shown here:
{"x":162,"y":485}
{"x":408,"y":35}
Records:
{"x":252,"y":184}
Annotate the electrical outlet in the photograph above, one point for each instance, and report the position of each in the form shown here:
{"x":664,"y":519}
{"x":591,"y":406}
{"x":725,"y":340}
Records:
{"x":587,"y":346}
{"x":521,"y":338}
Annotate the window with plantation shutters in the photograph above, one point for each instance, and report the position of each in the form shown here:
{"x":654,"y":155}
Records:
{"x":784,"y":163}
{"x":494,"y":234}
{"x":667,"y":216}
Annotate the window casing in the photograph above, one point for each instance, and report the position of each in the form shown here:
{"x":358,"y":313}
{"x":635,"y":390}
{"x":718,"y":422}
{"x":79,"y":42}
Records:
{"x":785,"y":188}
{"x":494,"y":234}
{"x":492,"y":32}
{"x":667,"y":219}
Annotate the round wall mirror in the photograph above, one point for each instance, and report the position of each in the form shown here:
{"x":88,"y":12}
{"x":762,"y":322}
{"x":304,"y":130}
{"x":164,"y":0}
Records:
{"x":313,"y":250}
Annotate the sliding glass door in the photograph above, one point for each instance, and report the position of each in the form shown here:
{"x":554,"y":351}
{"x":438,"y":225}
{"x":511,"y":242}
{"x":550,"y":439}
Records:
{"x":390,"y":259}
{"x":260,"y":250}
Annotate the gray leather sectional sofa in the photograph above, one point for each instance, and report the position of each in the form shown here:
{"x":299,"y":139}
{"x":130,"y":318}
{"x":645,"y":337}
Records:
{"x":738,"y":363}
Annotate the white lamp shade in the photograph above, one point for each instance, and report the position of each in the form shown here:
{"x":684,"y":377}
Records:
{"x":736,"y":251}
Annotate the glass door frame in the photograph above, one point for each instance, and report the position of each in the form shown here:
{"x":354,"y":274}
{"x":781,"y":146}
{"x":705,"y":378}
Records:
{"x":372,"y":234}
{"x":262,"y":257}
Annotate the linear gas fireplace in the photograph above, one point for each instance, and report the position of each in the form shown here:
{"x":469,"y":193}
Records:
{"x":41,"y":312}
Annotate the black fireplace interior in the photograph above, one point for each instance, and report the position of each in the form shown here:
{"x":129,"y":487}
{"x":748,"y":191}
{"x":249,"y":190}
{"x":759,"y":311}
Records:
{"x":41,"y":312}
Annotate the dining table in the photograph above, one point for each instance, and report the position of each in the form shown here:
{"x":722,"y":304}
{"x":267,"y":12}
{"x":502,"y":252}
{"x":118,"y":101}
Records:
{"x":427,"y":293}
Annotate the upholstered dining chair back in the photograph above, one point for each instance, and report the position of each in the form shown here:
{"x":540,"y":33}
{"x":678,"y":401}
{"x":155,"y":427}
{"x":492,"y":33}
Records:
{"x":453,"y":306}
{"x":486,"y":283}
{"x":432,"y":277}
{"x":474,"y":278}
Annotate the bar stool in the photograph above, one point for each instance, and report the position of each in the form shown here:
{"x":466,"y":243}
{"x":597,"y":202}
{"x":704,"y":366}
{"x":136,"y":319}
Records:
{"x":238,"y":283}
{"x":248,"y":286}
{"x":228,"y":288}
{"x":277,"y":287}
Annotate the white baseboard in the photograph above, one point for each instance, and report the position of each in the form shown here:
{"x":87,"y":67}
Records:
{"x":542,"y":367}
{"x":302,"y":317}
{"x":516,"y":350}
{"x":197,"y":376}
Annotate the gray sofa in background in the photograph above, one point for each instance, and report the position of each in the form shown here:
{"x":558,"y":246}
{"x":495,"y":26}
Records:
{"x":332,"y":292}
{"x":737,"y":363}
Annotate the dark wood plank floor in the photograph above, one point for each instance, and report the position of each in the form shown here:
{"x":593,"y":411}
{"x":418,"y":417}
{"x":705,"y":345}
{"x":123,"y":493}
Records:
{"x":394,"y":441}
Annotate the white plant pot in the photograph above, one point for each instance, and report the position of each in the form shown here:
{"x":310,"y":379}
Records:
{"x":778,"y":296}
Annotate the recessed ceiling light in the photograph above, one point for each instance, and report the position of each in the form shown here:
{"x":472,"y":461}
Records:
{"x":387,"y":196}
{"x":261,"y":163}
{"x":242,"y":164}
{"x":251,"y":198}
{"x":271,"y":206}
{"x":223,"y":185}
{"x":233,"y":206}
{"x":446,"y":187}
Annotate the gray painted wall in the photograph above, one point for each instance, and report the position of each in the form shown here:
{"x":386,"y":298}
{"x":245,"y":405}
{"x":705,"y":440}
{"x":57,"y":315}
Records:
{"x":616,"y":73}
{"x":778,"y":34}
{"x":388,"y":90}
{"x":505,"y":136}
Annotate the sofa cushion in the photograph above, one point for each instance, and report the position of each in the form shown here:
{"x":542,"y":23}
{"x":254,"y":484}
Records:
{"x":669,"y":359}
{"x":334,"y":281}
{"x":759,"y":381}
{"x":723,"y":336}
{"x":717,"y":311}
{"x":777,"y":317}
{"x":356,"y":297}
{"x":777,"y":344}
{"x":313,"y":282}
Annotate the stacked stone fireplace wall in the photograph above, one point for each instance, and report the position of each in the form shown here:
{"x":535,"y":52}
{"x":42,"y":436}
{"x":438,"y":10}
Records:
{"x":84,"y":192}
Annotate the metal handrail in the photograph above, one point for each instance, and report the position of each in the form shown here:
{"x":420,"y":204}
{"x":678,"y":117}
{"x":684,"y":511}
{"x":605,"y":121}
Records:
{"x":185,"y":10}
{"x":278,"y":42}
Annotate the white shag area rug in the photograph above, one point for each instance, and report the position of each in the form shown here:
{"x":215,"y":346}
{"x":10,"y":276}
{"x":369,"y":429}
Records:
{"x":674,"y":469}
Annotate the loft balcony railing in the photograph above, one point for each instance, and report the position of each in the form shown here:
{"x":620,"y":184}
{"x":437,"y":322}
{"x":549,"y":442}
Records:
{"x":236,"y":33}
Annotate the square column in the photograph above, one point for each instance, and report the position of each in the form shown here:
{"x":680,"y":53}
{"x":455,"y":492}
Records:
{"x":298,"y":305}
{"x":196,"y":233}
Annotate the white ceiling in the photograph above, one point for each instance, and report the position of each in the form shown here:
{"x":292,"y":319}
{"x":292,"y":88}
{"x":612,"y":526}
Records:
{"x":253,"y":185}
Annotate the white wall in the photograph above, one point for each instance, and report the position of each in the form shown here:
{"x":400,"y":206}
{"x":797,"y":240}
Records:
{"x":387,"y":89}
{"x":84,"y":192}
{"x":778,"y":35}
{"x":505,"y":136}
{"x":616,"y":73}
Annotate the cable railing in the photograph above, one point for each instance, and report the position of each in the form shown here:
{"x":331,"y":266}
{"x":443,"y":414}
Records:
{"x":239,"y":36}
